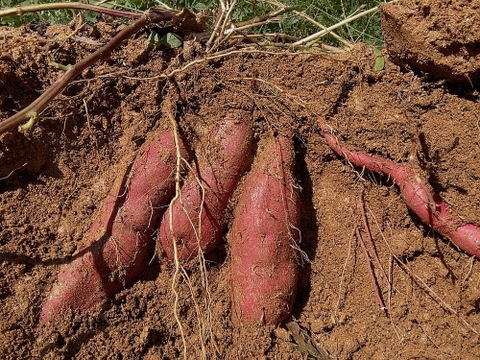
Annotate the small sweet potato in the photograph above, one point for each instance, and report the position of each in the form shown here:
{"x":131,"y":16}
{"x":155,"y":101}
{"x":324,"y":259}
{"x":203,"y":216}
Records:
{"x":263,"y":239}
{"x":115,"y":247}
{"x":198,"y":215}
{"x":417,"y":193}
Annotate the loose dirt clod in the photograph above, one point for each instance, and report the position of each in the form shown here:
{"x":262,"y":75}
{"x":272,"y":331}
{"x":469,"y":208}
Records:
{"x":439,"y":38}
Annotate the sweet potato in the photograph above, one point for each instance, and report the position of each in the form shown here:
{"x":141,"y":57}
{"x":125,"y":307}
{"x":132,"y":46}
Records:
{"x":115,"y":248}
{"x":263,"y":239}
{"x":197,"y":217}
{"x":417,"y":193}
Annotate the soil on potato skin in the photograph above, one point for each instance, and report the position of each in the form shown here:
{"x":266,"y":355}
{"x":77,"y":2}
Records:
{"x":54,"y":178}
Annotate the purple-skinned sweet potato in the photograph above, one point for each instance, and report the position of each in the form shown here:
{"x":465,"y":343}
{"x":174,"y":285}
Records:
{"x":198,"y":215}
{"x":115,"y":248}
{"x":417,"y":194}
{"x":263,"y":239}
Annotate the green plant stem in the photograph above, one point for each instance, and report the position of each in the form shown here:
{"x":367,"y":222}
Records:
{"x":31,"y":112}
{"x":20,"y":10}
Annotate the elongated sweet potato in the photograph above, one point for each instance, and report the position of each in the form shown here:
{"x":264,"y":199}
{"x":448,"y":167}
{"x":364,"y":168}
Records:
{"x":197,"y":217}
{"x":417,"y":193}
{"x":263,"y":239}
{"x":115,"y":247}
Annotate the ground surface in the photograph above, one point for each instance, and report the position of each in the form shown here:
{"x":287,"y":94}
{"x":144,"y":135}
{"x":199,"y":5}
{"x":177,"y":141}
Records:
{"x":54,"y":178}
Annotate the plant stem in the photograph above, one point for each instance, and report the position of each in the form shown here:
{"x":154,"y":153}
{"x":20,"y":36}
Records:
{"x":348,"y":20}
{"x":20,"y":10}
{"x":325,"y":31}
{"x":32,"y":111}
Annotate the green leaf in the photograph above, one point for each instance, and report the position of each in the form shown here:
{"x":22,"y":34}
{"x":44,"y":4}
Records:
{"x":379,"y":60}
{"x":11,"y":21}
{"x":379,"y":64}
{"x":171,"y":40}
{"x":154,"y":40}
{"x":90,"y":17}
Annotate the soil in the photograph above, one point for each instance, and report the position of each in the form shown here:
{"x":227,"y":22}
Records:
{"x":439,"y":38}
{"x":53,"y":180}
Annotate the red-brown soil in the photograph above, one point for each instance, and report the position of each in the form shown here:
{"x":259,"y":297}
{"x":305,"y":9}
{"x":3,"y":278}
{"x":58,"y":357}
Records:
{"x":439,"y":38}
{"x":54,"y":178}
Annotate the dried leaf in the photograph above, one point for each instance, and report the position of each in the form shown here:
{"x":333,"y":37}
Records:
{"x":305,"y":343}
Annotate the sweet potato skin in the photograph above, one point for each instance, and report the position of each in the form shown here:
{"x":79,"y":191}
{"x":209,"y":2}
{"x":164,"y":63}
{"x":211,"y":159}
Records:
{"x":219,"y":168}
{"x":431,"y":209}
{"x":417,"y":193}
{"x":263,"y":237}
{"x":115,"y":248}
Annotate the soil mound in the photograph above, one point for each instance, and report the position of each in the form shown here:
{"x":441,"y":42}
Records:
{"x":438,"y":38}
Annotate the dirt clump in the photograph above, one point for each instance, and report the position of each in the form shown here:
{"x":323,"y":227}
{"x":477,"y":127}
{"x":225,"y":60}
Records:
{"x":438,"y":38}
